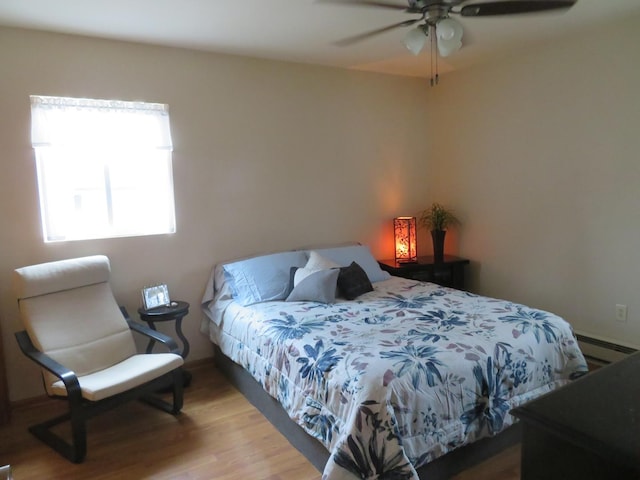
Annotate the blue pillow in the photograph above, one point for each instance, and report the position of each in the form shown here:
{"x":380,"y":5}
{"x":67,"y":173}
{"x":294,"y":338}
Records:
{"x":359,"y":254}
{"x":264,"y":278}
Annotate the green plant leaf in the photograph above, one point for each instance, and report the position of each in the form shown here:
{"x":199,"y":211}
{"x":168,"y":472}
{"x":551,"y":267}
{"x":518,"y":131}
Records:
{"x":437,"y":217}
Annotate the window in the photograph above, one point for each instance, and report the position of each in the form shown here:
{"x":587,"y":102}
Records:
{"x":104,"y":168}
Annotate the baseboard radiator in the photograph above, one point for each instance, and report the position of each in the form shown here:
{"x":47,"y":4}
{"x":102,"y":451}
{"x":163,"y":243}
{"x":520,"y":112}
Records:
{"x":604,"y":351}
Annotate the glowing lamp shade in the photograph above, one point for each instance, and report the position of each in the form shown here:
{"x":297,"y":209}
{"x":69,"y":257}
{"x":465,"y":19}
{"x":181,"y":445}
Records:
{"x":404,"y":233}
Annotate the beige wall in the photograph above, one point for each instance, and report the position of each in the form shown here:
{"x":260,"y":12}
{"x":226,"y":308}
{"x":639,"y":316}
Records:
{"x":268,"y":156}
{"x":540,"y":154}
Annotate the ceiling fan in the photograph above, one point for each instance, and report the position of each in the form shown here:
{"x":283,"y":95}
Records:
{"x":435,"y":23}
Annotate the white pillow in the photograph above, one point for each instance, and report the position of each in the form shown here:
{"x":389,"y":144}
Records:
{"x":315,"y":263}
{"x":359,"y":254}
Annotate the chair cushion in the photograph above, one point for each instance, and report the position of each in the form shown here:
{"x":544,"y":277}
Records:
{"x":83,"y":329}
{"x":70,"y":314}
{"x":62,"y":275}
{"x":123,"y":376}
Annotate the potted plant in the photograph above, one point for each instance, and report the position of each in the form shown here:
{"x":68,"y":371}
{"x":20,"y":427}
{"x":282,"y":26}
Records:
{"x":437,"y":219}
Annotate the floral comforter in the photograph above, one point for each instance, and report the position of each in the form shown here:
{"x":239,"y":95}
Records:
{"x":403,"y":374}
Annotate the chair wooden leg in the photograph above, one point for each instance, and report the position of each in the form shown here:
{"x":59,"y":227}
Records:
{"x":75,"y":451}
{"x":177,"y":390}
{"x":79,"y":435}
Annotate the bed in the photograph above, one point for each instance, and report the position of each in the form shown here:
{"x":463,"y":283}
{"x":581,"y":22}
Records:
{"x":388,"y":375}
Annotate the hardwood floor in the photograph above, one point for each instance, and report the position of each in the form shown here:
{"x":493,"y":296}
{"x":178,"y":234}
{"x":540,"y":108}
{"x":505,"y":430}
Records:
{"x":219,"y":435}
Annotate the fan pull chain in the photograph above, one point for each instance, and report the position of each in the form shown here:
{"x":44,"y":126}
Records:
{"x":431,"y":52}
{"x":434,"y":55}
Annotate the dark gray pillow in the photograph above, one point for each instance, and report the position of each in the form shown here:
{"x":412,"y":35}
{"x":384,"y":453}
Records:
{"x":353,"y":281}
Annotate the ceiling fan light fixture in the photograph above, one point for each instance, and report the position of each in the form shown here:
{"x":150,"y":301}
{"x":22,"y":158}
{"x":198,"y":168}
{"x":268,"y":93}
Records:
{"x":415,"y":39}
{"x":445,"y":30}
{"x":445,"y":34}
{"x":449,"y":34}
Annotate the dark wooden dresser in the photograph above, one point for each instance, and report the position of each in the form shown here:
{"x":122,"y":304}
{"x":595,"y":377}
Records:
{"x":587,"y":430}
{"x":449,"y":272}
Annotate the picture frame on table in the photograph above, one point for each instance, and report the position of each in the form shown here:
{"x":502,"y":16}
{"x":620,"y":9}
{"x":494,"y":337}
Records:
{"x":155,"y":296}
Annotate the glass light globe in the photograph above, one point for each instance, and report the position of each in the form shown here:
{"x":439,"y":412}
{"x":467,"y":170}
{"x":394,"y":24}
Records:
{"x":446,"y":31}
{"x":414,"y":40}
{"x":449,"y":33}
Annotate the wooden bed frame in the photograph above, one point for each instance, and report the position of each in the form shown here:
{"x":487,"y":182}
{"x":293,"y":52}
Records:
{"x":440,"y":469}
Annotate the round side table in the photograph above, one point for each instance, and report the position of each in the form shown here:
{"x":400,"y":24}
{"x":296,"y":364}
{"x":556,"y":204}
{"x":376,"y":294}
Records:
{"x":176,"y":310}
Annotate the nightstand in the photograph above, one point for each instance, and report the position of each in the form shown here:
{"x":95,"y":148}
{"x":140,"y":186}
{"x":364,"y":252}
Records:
{"x":163,"y":314}
{"x":448,"y":273}
{"x":176,"y":311}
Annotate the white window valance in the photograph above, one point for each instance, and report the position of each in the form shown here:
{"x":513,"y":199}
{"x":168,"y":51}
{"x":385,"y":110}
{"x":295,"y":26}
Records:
{"x":68,"y":122}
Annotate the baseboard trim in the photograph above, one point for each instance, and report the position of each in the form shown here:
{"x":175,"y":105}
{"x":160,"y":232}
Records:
{"x":603,"y":350}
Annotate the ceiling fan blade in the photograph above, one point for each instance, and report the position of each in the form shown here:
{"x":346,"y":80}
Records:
{"x":363,"y":36}
{"x":513,"y":7}
{"x":367,"y":3}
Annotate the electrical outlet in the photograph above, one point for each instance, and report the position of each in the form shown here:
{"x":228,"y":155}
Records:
{"x":621,"y":313}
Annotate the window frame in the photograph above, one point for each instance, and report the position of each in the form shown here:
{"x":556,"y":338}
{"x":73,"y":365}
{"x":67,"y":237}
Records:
{"x":111,"y":140}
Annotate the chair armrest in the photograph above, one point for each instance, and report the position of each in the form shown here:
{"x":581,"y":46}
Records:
{"x":67,"y":376}
{"x":155,"y":335}
{"x":152,"y":334}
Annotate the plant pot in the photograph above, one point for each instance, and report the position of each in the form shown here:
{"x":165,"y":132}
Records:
{"x":438,"y":244}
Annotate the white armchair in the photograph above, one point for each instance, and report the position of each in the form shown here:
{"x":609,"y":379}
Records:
{"x":83,"y":340}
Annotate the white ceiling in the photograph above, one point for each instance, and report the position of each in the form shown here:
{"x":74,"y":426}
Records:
{"x":299,"y":30}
